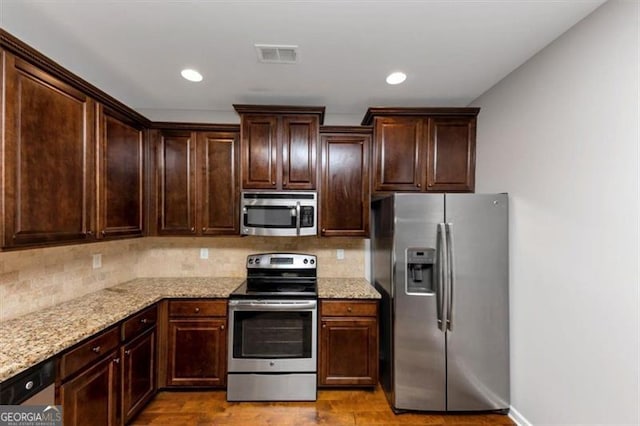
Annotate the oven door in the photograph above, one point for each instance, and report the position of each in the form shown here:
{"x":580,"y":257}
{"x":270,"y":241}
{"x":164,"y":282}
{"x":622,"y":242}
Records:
{"x":272,"y":336}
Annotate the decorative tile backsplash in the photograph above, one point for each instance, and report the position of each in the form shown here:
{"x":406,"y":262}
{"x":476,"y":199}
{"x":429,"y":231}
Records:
{"x":38,"y":278}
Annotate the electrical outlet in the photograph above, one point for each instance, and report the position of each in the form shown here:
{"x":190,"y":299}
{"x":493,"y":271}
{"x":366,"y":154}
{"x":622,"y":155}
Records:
{"x":340,"y":254}
{"x":204,"y":253}
{"x":97,"y":260}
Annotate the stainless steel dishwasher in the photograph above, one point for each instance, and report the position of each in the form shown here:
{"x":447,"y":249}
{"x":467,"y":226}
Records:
{"x":32,"y":387}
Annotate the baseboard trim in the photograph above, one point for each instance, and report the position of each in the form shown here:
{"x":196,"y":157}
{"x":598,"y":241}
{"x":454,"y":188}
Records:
{"x":518,"y":418}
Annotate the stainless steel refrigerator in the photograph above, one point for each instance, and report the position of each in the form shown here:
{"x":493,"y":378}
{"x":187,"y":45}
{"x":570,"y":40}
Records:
{"x":441,"y":264}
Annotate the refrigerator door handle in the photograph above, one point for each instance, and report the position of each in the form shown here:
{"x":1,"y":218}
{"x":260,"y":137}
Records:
{"x":440,"y":275}
{"x":450,"y":274}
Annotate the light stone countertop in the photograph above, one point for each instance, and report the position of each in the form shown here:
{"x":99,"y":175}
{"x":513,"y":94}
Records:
{"x":27,"y":340}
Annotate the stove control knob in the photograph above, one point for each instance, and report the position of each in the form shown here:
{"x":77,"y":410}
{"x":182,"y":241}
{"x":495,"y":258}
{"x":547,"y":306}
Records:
{"x":313,"y":261}
{"x":257,"y":261}
{"x":305,"y":261}
{"x":250,"y":261}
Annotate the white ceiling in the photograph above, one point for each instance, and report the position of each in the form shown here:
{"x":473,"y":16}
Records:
{"x":452,"y":51}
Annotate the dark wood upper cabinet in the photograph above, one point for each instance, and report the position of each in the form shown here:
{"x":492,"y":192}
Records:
{"x":219,"y":183}
{"x":345,"y":194}
{"x":176,"y":153}
{"x":399,"y":149}
{"x":120,"y":176}
{"x":47,"y":162}
{"x":279,"y":146}
{"x":452,"y":154}
{"x":299,"y":148}
{"x":423,"y":149}
{"x":197,"y":184}
{"x":259,"y":152}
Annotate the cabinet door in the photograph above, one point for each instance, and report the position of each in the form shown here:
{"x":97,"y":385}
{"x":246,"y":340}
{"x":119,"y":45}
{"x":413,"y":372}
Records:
{"x":47,"y":158}
{"x":399,"y":147}
{"x":92,"y":397}
{"x":348,"y":351}
{"x":451,"y":158}
{"x":138,"y":373}
{"x":197,"y":352}
{"x":345,"y":198}
{"x":219,"y":184}
{"x":299,"y":146}
{"x":176,"y":184}
{"x":120,"y":176}
{"x":259,"y":152}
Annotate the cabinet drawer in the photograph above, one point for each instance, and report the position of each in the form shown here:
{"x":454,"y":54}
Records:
{"x":198,"y":308}
{"x":139,"y":322}
{"x":348,"y":308}
{"x":89,"y":351}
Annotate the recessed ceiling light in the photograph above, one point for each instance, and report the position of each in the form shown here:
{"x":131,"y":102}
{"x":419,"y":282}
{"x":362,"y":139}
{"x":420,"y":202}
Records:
{"x":396,"y":77}
{"x":191,"y":75}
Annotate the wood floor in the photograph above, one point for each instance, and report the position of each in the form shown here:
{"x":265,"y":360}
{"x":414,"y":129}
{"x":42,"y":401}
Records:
{"x":334,"y":407}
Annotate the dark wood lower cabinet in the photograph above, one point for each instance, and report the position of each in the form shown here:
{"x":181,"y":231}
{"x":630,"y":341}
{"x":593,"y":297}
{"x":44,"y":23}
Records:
{"x":91,"y":398}
{"x":348,"y":344}
{"x":138,"y":373}
{"x":197,"y":352}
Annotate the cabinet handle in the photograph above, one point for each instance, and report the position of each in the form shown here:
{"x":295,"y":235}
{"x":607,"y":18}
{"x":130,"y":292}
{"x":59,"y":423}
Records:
{"x":324,"y":229}
{"x":89,"y":233}
{"x":127,"y":352}
{"x":103,"y":232}
{"x":116,"y":360}
{"x":144,"y":320}
{"x":324,"y":325}
{"x":193,"y":229}
{"x":204,"y":229}
{"x":96,"y":349}
{"x":222,"y":327}
{"x":430,"y":184}
{"x":197,"y":310}
{"x":349,"y":309}
{"x":273,"y":182}
{"x":419,"y":185}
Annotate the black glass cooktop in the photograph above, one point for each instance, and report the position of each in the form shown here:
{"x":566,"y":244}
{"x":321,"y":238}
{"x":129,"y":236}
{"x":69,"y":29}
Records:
{"x":277,"y":288}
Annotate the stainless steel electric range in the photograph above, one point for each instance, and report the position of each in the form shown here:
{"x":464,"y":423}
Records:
{"x":273,"y":330}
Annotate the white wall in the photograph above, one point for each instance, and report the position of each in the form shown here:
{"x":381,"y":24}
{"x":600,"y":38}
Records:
{"x":560,"y":134}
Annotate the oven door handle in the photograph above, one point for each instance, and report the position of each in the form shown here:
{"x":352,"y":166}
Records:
{"x":240,"y":305}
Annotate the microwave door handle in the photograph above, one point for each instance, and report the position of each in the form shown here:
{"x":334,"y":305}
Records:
{"x":298,"y":218}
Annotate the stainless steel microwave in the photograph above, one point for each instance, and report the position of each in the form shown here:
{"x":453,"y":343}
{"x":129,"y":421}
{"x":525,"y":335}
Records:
{"x":279,"y":213}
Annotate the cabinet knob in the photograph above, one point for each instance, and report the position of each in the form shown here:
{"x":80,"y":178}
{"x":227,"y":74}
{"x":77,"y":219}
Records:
{"x":222,"y":327}
{"x":196,"y":310}
{"x":204,"y":229}
{"x":349,"y":309}
{"x":193,"y":229}
{"x":430,"y":184}
{"x":144,"y":320}
{"x":127,"y":352}
{"x":89,"y":233}
{"x":96,"y":349}
{"x":116,"y":360}
{"x":103,"y":232}
{"x":273,"y":183}
{"x":324,"y":325}
{"x":419,"y":185}
{"x":324,"y":229}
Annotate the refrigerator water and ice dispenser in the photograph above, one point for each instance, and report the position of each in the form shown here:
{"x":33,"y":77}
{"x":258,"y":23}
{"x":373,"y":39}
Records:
{"x":420,"y":270}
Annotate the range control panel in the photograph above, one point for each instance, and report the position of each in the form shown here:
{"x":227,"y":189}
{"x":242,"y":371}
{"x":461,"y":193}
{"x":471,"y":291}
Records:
{"x":281,"y":261}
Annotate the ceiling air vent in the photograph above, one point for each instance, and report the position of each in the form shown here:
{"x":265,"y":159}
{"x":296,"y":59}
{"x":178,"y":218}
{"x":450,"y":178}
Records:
{"x":277,"y":54}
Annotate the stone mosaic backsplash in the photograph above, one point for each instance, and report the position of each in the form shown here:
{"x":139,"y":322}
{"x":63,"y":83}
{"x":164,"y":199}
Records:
{"x":35,"y":279}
